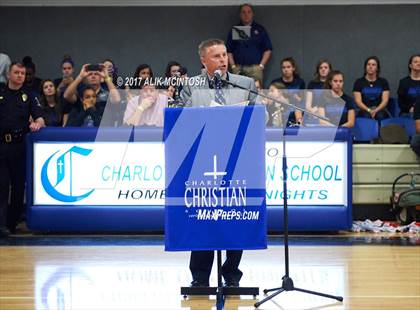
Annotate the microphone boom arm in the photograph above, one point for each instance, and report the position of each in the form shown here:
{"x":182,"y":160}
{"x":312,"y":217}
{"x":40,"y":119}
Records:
{"x":327,"y":120}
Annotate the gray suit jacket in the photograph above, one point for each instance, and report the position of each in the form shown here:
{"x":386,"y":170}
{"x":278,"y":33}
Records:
{"x":200,"y":95}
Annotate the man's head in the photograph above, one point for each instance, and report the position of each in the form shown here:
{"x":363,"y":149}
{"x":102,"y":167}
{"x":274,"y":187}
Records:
{"x":16,"y":75}
{"x":213,"y":56}
{"x":246,"y":14}
{"x":93,"y":79}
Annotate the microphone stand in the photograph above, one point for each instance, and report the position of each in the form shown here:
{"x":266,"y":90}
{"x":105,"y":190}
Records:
{"x":287,"y":282}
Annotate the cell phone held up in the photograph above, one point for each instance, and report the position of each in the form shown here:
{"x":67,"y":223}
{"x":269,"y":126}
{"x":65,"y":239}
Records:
{"x":96,"y":67}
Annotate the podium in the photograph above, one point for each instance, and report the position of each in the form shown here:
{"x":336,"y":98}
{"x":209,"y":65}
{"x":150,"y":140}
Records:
{"x":215,"y":184}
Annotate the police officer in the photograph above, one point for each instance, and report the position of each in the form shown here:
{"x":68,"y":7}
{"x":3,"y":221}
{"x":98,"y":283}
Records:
{"x":16,"y":108}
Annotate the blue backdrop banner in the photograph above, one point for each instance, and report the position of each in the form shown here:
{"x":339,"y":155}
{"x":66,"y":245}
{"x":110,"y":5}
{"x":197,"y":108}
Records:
{"x":215,"y":178}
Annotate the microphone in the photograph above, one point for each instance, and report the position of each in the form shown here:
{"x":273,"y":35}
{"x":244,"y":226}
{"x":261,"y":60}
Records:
{"x":217,"y":76}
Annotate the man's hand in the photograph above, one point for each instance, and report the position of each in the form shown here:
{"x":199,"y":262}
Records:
{"x":35,"y":126}
{"x":83,"y":72}
{"x":104,"y":72}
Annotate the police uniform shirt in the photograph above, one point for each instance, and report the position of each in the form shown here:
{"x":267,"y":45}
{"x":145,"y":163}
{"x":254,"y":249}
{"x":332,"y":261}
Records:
{"x":371,"y":91}
{"x":408,"y":92}
{"x":16,"y":106}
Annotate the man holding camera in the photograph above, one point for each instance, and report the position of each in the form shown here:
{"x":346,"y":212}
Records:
{"x":91,"y":75}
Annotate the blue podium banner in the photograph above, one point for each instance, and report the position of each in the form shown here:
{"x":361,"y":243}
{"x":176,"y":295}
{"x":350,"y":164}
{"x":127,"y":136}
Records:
{"x":215,"y":178}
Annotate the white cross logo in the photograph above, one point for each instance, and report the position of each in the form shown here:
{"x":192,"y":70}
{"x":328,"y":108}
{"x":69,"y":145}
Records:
{"x":215,"y":174}
{"x":60,"y":164}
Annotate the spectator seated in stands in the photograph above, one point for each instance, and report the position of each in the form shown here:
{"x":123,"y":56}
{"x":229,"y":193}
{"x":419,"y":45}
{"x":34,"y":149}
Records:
{"x":173,"y":71}
{"x":143,"y":71}
{"x":415,"y":140}
{"x":409,"y":87}
{"x":86,"y":114}
{"x":147,"y":108}
{"x":248,"y":45}
{"x":91,"y":75}
{"x":51,"y":105}
{"x":274,"y":109}
{"x":32,"y":82}
{"x":323,"y":68}
{"x":371,"y":92}
{"x":294,"y":84}
{"x":336,"y":105}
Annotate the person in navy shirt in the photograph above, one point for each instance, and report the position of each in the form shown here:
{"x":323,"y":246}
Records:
{"x":294,"y":84}
{"x":51,"y":104}
{"x":32,"y":82}
{"x":409,"y":87}
{"x":250,"y":54}
{"x":322,"y":70}
{"x":337,"y":106}
{"x":371,"y":92}
{"x":87,"y":114}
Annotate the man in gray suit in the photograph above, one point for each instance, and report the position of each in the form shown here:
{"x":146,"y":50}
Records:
{"x":208,"y":92}
{"x":205,"y":92}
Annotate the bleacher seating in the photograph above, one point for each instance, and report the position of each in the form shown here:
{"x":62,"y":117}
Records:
{"x":406,"y":122}
{"x":365,"y":129}
{"x":376,"y":166}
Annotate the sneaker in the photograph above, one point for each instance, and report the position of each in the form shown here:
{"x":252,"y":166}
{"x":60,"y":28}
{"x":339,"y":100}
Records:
{"x":196,"y":283}
{"x":232,"y":283}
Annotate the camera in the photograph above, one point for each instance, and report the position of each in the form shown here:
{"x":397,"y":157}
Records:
{"x":96,"y":67}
